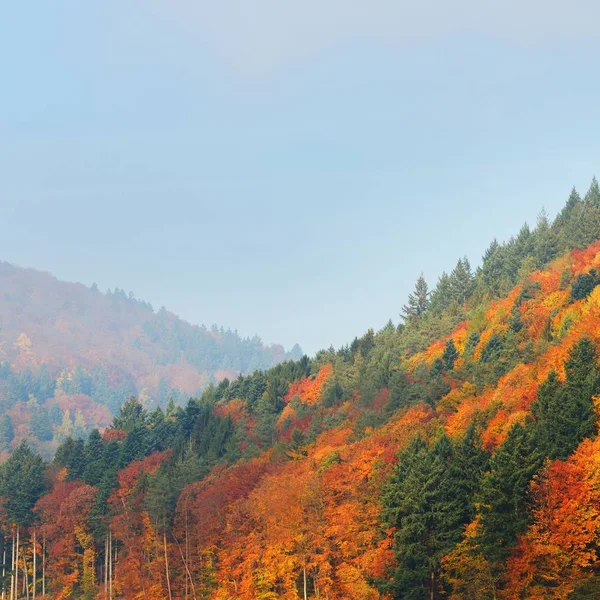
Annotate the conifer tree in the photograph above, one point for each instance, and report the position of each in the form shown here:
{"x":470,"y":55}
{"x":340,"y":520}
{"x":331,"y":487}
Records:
{"x":504,"y":492}
{"x":21,"y":484}
{"x":450,"y":355}
{"x":7,"y":433}
{"x":592,"y":197}
{"x":461,"y":281}
{"x":565,"y":413}
{"x":418,"y":301}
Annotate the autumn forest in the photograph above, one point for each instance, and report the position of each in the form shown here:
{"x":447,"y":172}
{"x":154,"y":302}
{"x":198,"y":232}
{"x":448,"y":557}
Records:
{"x":451,"y":456}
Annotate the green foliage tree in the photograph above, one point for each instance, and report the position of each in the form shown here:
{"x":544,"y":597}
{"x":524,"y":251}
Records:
{"x":429,"y":499}
{"x":565,"y":413}
{"x":450,"y":355}
{"x":7,"y":433}
{"x":418,"y":301}
{"x":504,"y":492}
{"x":21,"y":484}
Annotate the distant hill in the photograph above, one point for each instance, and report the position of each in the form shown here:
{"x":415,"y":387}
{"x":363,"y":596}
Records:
{"x":70,"y":355}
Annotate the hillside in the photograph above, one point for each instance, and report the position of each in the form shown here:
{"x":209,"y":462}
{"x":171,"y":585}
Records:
{"x":452,"y":456}
{"x":73,"y":355}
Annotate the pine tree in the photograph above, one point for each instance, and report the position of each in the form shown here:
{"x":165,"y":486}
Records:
{"x":131,"y":415}
{"x":441,"y":297}
{"x":418,"y":301}
{"x":450,"y":355}
{"x":7,"y":433}
{"x":592,"y":197}
{"x":94,"y":459}
{"x":504,"y":492}
{"x":461,"y":281}
{"x":21,"y":484}
{"x":429,"y":500}
{"x":564,"y":413}
{"x":545,"y":241}
{"x":40,"y":424}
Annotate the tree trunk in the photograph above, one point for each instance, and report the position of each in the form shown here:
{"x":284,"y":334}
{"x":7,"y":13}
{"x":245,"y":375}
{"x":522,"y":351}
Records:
{"x":110,"y":566}
{"x":187,"y":555}
{"x":44,"y":564}
{"x":304,"y":576}
{"x":17,"y":566}
{"x":167,"y":563}
{"x":3,"y":568}
{"x":25,"y":577}
{"x":106,"y":566}
{"x":12,"y":567}
{"x":187,"y":571}
{"x":34,"y":562}
{"x":432,"y":585}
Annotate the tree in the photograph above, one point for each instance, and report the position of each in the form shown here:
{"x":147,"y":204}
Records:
{"x":504,"y":502}
{"x":21,"y":484}
{"x":565,"y":413}
{"x":592,"y":197}
{"x":40,"y":424}
{"x":558,"y":551}
{"x":95,"y":466}
{"x":461,"y":281}
{"x":131,"y":415}
{"x":418,"y":301}
{"x":545,"y":240}
{"x":429,"y":500}
{"x":7,"y":433}
{"x":450,"y":355}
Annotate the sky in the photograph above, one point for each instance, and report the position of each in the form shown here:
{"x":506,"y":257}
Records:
{"x":287,"y":168}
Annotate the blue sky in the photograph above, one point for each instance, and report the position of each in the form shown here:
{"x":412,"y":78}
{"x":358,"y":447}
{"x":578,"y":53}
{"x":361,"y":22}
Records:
{"x":287,"y":169}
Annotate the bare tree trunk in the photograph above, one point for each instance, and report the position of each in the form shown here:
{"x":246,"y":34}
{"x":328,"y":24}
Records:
{"x":34,"y":562}
{"x":432,"y":596}
{"x":106,"y":567}
{"x":187,"y":555}
{"x":167,"y":563}
{"x":187,"y":571}
{"x":304,"y":577}
{"x":110,"y":565}
{"x":12,"y":568}
{"x":25,"y":577}
{"x":44,"y":564}
{"x":17,"y":567}
{"x":3,"y":568}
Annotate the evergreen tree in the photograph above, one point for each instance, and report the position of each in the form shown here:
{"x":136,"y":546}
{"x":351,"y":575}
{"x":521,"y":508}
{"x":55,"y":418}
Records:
{"x":429,"y":500}
{"x":461,"y":281}
{"x":441,"y":297}
{"x":21,"y":484}
{"x":95,"y":465}
{"x":131,"y":416}
{"x":450,"y":355}
{"x":584,"y":284}
{"x":46,"y":384}
{"x":40,"y":424}
{"x":7,"y":433}
{"x":504,"y":492}
{"x":418,"y":301}
{"x":492,"y":271}
{"x":545,"y":241}
{"x":592,"y":197}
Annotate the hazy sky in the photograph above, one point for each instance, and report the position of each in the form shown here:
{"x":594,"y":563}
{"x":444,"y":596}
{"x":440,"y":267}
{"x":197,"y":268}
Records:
{"x":287,"y":168}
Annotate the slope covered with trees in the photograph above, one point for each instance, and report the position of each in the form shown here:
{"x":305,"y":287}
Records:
{"x":71,"y":355}
{"x":453,"y":456}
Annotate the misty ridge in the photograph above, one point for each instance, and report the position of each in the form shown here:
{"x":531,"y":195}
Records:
{"x":72,"y":355}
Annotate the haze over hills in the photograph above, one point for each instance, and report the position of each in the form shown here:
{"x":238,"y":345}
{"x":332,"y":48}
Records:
{"x":71,"y":355}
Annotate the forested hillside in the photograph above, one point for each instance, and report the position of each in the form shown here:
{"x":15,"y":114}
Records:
{"x":452,"y":456}
{"x":71,"y":355}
